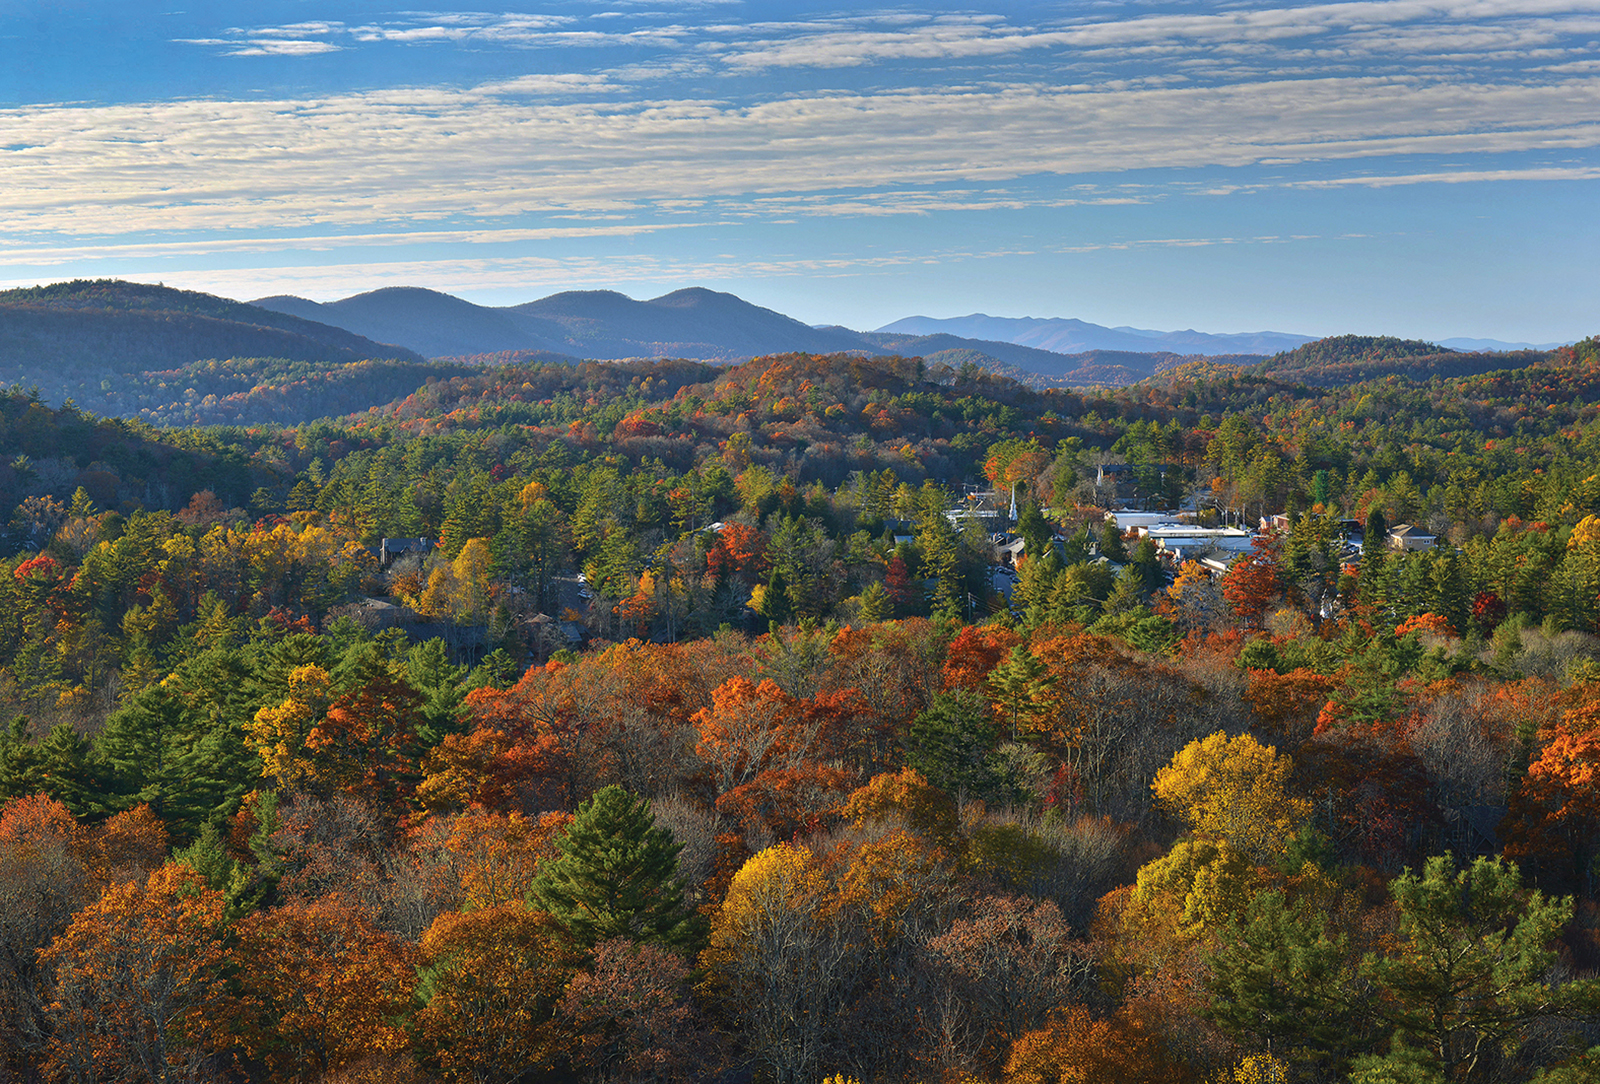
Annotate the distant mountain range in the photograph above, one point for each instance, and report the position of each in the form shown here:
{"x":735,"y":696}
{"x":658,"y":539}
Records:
{"x":705,"y":324}
{"x":692,"y":323}
{"x":1064,"y":336}
{"x":712,"y":326}
{"x":1495,"y":345}
{"x":183,"y":357}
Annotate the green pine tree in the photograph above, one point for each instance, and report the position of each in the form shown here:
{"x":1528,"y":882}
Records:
{"x":617,"y":876}
{"x":1127,"y":593}
{"x":157,"y":750}
{"x":1280,"y":978}
{"x":208,"y":856}
{"x":1112,"y":547}
{"x":1034,"y":529}
{"x":775,"y":605}
{"x":64,"y":760}
{"x":1016,"y":684}
{"x":952,"y":744}
{"x":873,"y":604}
{"x":940,"y":549}
{"x":1467,"y":981}
{"x":1035,"y":580}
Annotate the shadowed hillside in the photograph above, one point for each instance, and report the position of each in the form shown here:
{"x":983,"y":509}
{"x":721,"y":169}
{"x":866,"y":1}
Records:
{"x":178,"y":357}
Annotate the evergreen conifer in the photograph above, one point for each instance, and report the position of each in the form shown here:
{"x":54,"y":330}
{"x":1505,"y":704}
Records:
{"x":616,"y":876}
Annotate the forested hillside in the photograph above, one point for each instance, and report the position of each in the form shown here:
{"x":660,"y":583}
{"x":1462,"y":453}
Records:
{"x":658,"y":720}
{"x":157,"y":354}
{"x":1350,"y":359}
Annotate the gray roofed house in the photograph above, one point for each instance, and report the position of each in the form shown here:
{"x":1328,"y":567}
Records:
{"x":394,"y":548}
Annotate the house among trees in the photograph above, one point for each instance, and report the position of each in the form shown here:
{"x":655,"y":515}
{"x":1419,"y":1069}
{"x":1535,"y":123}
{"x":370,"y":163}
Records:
{"x":1131,"y":482}
{"x":1404,"y":536}
{"x":393,"y":549}
{"x":1121,"y":478}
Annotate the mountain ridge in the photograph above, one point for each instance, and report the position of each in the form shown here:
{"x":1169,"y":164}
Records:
{"x":692,"y":322}
{"x":1068,"y":335}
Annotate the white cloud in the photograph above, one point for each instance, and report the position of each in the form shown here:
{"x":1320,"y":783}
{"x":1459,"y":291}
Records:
{"x":275,"y":47}
{"x":562,"y":83}
{"x":1326,"y":31}
{"x":1461,"y":176}
{"x":48,"y":255}
{"x":480,"y":30}
{"x":415,"y":155}
{"x":292,"y":30}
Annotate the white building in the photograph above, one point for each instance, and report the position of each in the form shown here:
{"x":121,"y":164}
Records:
{"x":1186,"y":542}
{"x":1128,"y":520}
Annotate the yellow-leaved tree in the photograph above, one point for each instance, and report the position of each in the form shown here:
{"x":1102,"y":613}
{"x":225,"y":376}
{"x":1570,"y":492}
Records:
{"x":779,"y":960}
{"x":1232,"y":790}
{"x":459,"y":591}
{"x":278,"y":734}
{"x":1189,"y":893}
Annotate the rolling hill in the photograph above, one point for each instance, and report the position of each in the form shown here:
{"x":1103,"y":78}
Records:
{"x":429,"y":322}
{"x":1351,"y":359}
{"x":102,"y":322}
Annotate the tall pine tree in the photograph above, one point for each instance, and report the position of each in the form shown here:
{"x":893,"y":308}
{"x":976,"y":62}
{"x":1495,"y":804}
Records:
{"x":616,"y":876}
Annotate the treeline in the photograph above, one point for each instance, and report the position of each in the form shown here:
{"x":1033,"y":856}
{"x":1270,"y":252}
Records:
{"x":1352,"y":359}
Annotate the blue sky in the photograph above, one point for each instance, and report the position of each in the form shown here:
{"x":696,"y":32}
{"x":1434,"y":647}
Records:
{"x":1411,"y":167}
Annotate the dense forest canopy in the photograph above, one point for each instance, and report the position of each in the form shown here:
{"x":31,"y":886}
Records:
{"x":650,"y":720}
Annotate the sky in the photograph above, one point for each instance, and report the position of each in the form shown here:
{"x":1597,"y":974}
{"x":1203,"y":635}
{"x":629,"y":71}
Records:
{"x":1423,"y":168}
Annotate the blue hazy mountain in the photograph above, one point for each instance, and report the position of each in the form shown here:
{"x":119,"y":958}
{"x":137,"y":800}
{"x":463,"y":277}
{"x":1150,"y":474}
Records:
{"x":1062,"y":335}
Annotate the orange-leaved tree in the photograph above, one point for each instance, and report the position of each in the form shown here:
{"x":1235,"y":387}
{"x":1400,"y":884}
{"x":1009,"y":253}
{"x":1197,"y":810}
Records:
{"x":1286,"y":706}
{"x":770,"y":753}
{"x":130,"y":845}
{"x":1077,"y":1047}
{"x":1554,"y":823}
{"x":45,"y":877}
{"x":135,"y":973}
{"x":500,"y":853}
{"x":490,"y":983}
{"x":1253,"y":582}
{"x":974,"y":652}
{"x":905,"y":796}
{"x":367,"y":741}
{"x":320,"y":986}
